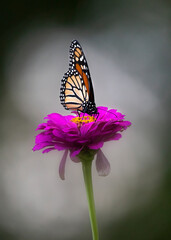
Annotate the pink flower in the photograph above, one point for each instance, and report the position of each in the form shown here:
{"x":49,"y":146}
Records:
{"x":77,"y":134}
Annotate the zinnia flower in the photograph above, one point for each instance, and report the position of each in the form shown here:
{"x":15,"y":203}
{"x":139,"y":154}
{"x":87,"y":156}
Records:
{"x":81,"y":135}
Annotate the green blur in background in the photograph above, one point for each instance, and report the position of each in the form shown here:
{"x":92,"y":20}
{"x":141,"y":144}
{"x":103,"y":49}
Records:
{"x":136,"y":35}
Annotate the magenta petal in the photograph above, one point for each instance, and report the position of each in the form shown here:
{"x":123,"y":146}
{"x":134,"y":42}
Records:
{"x":42,"y":145}
{"x":75,"y":152}
{"x":48,"y":150}
{"x":60,"y":133}
{"x":60,"y":147}
{"x":96,"y":145}
{"x":75,"y":159}
{"x":102,"y":164}
{"x":62,"y":165}
{"x":41,"y":126}
{"x":102,"y":109}
{"x":117,"y":136}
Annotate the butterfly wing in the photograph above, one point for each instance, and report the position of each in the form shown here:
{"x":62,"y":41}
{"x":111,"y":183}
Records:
{"x":79,"y":63}
{"x":77,"y":89}
{"x":73,"y":93}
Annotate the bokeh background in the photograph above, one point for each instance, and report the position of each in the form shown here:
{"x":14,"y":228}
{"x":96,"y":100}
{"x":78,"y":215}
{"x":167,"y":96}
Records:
{"x":127,"y":45}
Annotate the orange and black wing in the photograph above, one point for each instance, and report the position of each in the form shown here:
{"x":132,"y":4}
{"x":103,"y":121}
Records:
{"x":78,"y":62}
{"x":73,"y":93}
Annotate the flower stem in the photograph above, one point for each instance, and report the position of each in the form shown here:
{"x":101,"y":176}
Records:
{"x":86,"y":166}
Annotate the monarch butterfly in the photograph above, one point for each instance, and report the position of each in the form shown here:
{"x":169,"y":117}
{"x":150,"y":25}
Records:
{"x":76,"y":92}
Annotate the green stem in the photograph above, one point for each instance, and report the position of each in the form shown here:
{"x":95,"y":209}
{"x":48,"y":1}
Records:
{"x":86,"y":166}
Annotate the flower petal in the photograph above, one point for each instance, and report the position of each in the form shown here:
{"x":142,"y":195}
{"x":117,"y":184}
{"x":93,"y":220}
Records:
{"x":75,"y":159}
{"x":62,"y":165}
{"x":60,"y":133}
{"x":102,"y":164}
{"x":42,"y":145}
{"x":96,"y":145}
{"x":41,"y":126}
{"x":48,"y":150}
{"x":117,"y":136}
{"x":60,"y":147}
{"x":75,"y":152}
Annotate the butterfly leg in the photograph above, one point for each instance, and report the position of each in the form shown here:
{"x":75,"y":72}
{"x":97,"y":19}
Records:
{"x":78,"y":113}
{"x":97,"y":115}
{"x":83,"y":115}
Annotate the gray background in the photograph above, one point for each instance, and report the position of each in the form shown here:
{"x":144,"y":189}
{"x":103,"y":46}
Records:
{"x":127,"y":46}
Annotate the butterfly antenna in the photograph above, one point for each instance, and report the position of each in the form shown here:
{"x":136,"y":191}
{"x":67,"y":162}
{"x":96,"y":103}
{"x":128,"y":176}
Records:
{"x":107,"y":112}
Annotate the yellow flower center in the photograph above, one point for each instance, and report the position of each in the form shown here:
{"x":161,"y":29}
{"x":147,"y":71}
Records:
{"x":81,"y":120}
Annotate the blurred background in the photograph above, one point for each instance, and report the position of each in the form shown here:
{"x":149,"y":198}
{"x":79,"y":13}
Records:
{"x":127,"y":46}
